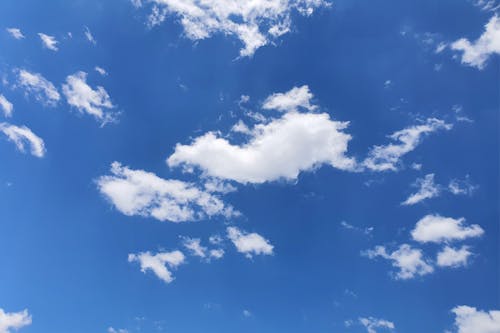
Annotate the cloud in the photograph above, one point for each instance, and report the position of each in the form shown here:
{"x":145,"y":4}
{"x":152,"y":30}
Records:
{"x":279,"y":149}
{"x":409,"y":261}
{"x":137,"y":192}
{"x":100,"y":70}
{"x":48,"y":41}
{"x":426,"y":189}
{"x":89,"y":36}
{"x":487,"y":5}
{"x":13,"y":320}
{"x":194,"y":246}
{"x":87,"y":100}
{"x":158,"y":263}
{"x":477,"y":53}
{"x":34,"y":83}
{"x":117,"y":330}
{"x":383,"y":158}
{"x":366,"y":230}
{"x":462,"y":187}
{"x":371,"y":324}
{"x":21,"y":136}
{"x":249,"y":243}
{"x":437,"y":229}
{"x":6,"y":106}
{"x":216,"y":253}
{"x":254,"y":23}
{"x":15,"y":32}
{"x":292,"y":100}
{"x":470,"y":320}
{"x":247,"y":313}
{"x":451,"y":257}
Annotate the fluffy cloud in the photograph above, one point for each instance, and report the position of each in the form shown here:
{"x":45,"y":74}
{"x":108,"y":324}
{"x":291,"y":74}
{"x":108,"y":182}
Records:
{"x":15,"y":32}
{"x":6,"y":106}
{"x":35,"y":84}
{"x":292,"y":100}
{"x":408,"y":260}
{"x":426,"y":189}
{"x":87,"y":100}
{"x":436,"y":228}
{"x":249,"y":243}
{"x":195,"y":247}
{"x":477,"y":53}
{"x":158,"y":263}
{"x":470,"y":320}
{"x":137,"y":192}
{"x":21,"y":136}
{"x":13,"y":320}
{"x":48,"y":41}
{"x":382,"y":158}
{"x":371,"y":324}
{"x":451,"y":257}
{"x":254,"y":23}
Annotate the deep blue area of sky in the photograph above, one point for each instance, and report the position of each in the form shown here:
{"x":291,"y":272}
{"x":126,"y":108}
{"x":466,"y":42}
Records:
{"x":63,"y":248}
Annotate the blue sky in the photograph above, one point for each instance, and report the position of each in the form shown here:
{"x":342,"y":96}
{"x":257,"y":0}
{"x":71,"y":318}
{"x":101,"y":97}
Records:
{"x":226,"y":166}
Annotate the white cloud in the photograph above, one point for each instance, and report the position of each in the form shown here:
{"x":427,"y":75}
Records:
{"x":451,"y":257}
{"x":48,"y":41}
{"x":292,"y":100}
{"x":426,"y":189}
{"x":15,"y":32}
{"x":216,"y":253}
{"x":254,"y":23}
{"x":249,"y":243}
{"x":372,"y":324}
{"x":6,"y":106}
{"x":100,"y":70}
{"x":436,"y":228}
{"x":487,"y":5}
{"x":117,"y":330}
{"x":34,"y":83}
{"x":89,"y":36}
{"x":13,"y":320}
{"x":158,"y":263}
{"x":462,"y":187}
{"x":477,"y":53}
{"x":80,"y":95}
{"x":195,"y":247}
{"x":137,"y":192}
{"x":21,"y":136}
{"x":470,"y":320}
{"x":382,"y":158}
{"x":408,"y":260}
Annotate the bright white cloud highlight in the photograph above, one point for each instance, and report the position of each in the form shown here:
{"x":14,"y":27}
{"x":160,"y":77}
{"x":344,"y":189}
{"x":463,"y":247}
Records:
{"x":42,"y":89}
{"x":15,"y":32}
{"x":22,"y":136}
{"x":426,"y":189}
{"x":137,"y":192}
{"x":387,"y":157}
{"x":195,"y":247}
{"x":87,"y":100}
{"x":452,"y":257}
{"x":436,"y":229}
{"x":48,"y":41}
{"x":159,"y":263}
{"x":297,"y":97}
{"x":100,"y":70}
{"x":409,"y":261}
{"x":6,"y":106}
{"x":13,"y":320}
{"x":471,"y":320}
{"x":372,"y":324}
{"x":254,"y":23}
{"x":89,"y":36}
{"x":477,"y":53}
{"x":249,"y":243}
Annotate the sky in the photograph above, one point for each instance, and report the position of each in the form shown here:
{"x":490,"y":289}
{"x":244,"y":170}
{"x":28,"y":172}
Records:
{"x":269,"y":166}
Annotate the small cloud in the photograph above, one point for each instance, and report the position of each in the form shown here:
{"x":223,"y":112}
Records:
{"x":100,"y":70}
{"x":15,"y":32}
{"x":89,"y":36}
{"x":48,"y":41}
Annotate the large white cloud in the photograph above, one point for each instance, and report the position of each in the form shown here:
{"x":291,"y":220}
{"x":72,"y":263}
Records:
{"x":137,"y":192}
{"x":6,"y":106}
{"x":79,"y":94}
{"x":35,"y":84}
{"x":255,"y":23}
{"x":452,"y":257}
{"x":471,"y":320}
{"x":159,"y":263}
{"x":48,"y":41}
{"x":249,"y":243}
{"x":13,"y":320}
{"x":478,"y":52}
{"x":436,"y":229}
{"x":426,"y":189}
{"x":22,"y":135}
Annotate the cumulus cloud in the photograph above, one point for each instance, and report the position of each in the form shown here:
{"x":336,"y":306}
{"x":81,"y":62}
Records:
{"x":436,"y":229}
{"x":6,"y":106}
{"x":13,"y":320}
{"x":254,"y":23}
{"x":387,"y":157}
{"x":15,"y":32}
{"x":158,"y":263}
{"x":452,"y":257}
{"x":372,"y":324}
{"x":79,"y":94}
{"x":477,"y":53}
{"x":471,"y":320}
{"x":42,"y":89}
{"x":426,"y":189}
{"x":48,"y":41}
{"x":137,"y":192}
{"x":410,"y":262}
{"x":249,"y":243}
{"x":22,"y":136}
{"x":292,"y":100}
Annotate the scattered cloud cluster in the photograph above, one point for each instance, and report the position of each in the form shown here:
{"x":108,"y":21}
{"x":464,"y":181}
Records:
{"x":22,"y":136}
{"x":10,"y":321}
